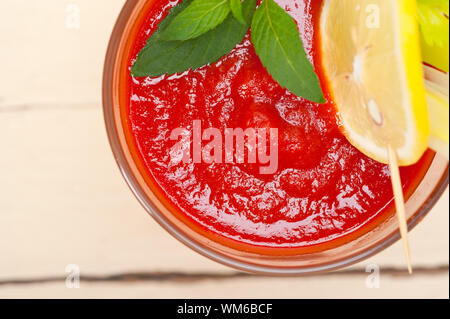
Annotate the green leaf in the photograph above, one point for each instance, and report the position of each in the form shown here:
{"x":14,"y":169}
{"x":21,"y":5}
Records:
{"x":236,"y":9}
{"x":199,"y":17}
{"x":168,"y":57}
{"x":277,"y":43}
{"x":433,"y":21}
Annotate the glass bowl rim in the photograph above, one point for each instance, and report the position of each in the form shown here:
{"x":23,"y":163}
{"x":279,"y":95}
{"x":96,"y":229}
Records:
{"x":139,"y":193}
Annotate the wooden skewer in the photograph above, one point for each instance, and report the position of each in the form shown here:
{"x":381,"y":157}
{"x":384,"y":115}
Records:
{"x":399,"y":202}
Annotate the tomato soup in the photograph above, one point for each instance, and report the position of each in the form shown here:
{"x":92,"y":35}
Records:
{"x":323,"y":193}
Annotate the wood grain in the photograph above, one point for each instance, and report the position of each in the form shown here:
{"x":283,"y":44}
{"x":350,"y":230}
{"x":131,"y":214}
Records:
{"x":257,"y":287}
{"x":63,"y":201}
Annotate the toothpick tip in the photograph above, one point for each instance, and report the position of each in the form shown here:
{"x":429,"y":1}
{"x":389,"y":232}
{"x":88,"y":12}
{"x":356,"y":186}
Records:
{"x":399,"y":202}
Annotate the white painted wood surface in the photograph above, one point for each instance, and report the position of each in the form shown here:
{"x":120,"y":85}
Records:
{"x":63,"y":201}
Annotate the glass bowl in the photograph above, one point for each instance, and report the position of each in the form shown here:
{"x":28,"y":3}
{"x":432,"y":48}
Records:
{"x":418,"y":204}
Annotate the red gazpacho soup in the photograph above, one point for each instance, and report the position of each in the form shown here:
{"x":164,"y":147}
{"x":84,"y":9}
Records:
{"x":323,"y":192}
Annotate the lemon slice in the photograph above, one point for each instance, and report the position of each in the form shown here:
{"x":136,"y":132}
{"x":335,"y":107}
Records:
{"x":372,"y":59}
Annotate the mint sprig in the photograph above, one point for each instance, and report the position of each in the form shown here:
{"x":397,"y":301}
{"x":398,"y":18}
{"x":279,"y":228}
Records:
{"x":278,"y":45}
{"x":197,"y":18}
{"x":161,"y":57}
{"x":156,"y":36}
{"x":199,"y":32}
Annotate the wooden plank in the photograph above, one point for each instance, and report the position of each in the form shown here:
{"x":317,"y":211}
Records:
{"x":63,"y":201}
{"x":434,"y":286}
{"x":44,"y":59}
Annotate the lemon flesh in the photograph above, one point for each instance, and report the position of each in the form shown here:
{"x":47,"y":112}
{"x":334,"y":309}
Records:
{"x":372,"y":60}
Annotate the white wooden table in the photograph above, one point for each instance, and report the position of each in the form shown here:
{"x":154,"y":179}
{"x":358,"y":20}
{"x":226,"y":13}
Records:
{"x":63,"y":201}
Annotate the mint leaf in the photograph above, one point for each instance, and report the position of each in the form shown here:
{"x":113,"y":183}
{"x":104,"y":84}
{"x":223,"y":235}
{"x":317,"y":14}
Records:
{"x":236,"y":9}
{"x":277,"y":43}
{"x":199,"y":17}
{"x":168,"y":57}
{"x":167,"y":20}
